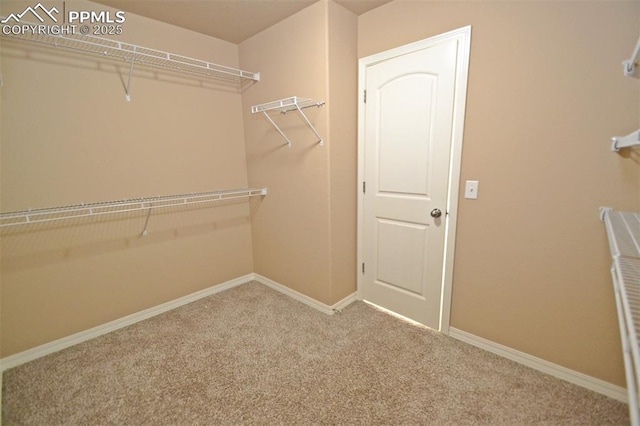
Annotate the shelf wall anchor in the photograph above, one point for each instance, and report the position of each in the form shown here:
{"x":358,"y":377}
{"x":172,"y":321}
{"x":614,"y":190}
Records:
{"x":619,"y":142}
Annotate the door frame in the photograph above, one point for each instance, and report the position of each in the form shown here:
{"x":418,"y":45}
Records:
{"x":463,"y":35}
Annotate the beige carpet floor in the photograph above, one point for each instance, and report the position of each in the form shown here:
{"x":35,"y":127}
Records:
{"x":251,"y":355}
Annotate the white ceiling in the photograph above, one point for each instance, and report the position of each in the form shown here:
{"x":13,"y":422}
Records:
{"x":230,"y":20}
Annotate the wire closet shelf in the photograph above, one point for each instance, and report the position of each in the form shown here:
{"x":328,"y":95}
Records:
{"x":30,"y":216}
{"x":623,"y":231}
{"x":293,"y":103}
{"x":133,"y":54}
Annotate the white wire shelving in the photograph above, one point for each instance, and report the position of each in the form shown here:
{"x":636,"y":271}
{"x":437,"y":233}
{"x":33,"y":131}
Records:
{"x":133,"y":54}
{"x":32,"y":216}
{"x":285,"y":105}
{"x":623,"y":231}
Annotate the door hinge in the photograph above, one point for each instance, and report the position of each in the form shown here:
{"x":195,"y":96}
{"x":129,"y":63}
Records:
{"x":363,"y":267}
{"x":364,"y":187}
{"x":365,"y":96}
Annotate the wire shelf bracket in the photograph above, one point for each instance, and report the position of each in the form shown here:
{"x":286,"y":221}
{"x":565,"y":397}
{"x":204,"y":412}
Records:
{"x":629,"y":66}
{"x":619,"y":142}
{"x":134,"y":54}
{"x":285,"y":105}
{"x":31,"y":216}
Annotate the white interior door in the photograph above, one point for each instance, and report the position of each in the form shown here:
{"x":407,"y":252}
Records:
{"x":408,"y":128}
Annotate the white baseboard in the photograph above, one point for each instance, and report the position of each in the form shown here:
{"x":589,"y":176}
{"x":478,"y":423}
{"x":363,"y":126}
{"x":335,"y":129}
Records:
{"x":345,"y":302}
{"x":329,"y":310}
{"x":580,"y":379}
{"x":74,"y":339}
{"x":571,"y":376}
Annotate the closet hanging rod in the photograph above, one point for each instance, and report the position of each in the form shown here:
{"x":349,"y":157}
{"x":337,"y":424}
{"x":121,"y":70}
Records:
{"x":631,"y":64}
{"x":49,"y":214}
{"x":136,"y":54}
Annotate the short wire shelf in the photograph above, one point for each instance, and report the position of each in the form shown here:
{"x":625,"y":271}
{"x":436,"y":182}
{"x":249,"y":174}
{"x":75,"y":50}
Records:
{"x":285,"y":105}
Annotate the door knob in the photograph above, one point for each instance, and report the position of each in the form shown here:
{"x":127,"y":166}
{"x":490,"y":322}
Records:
{"x":436,"y":213}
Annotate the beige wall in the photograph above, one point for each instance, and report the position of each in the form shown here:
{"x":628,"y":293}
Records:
{"x":69,"y":136}
{"x":81,"y":142}
{"x":304,"y":231}
{"x":546,"y":93}
{"x":1,"y":209}
{"x":342,"y":101}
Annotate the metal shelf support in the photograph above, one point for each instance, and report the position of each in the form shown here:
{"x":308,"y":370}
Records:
{"x":629,"y":66}
{"x":133,"y":60}
{"x":289,"y":104}
{"x":619,"y":142}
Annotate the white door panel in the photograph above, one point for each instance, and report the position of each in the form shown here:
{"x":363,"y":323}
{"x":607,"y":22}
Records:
{"x":411,"y":208}
{"x":401,"y":268}
{"x":403,"y":102}
{"x":408,"y":132}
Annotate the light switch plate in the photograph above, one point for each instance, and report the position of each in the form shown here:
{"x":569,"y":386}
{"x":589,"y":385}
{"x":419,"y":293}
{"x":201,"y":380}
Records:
{"x":471,"y":190}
